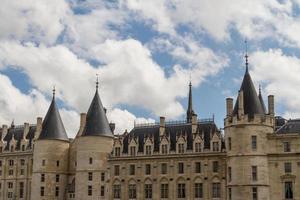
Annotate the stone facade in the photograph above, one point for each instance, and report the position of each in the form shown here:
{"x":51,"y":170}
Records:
{"x":257,"y":157}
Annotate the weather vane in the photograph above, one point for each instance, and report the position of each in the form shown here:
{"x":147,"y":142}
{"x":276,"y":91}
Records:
{"x":97,"y":81}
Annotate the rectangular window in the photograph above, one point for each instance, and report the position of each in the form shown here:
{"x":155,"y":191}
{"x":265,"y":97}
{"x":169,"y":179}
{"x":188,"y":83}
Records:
{"x":21,"y":190}
{"x":42,"y":191}
{"x":57,"y":163}
{"x":102,"y":176}
{"x":11,"y":172}
{"x":91,"y":161}
{"x":42,"y":177}
{"x":164,"y":191}
{"x":198,"y":190}
{"x":11,"y":162}
{"x":90,"y":190}
{"x":57,"y":178}
{"x":132,"y":191}
{"x":254,"y":193}
{"x":56,"y":191}
{"x":180,"y":148}
{"x":198,"y":147}
{"x":43,"y":162}
{"x":23,"y":147}
{"x":180,"y":168}
{"x":148,"y":150}
{"x":117,"y":170}
{"x":117,"y":191}
{"x":132,"y":151}
{"x":164,"y":149}
{"x":131,"y":169}
{"x":9,"y":194}
{"x":253,"y":142}
{"x":22,"y":172}
{"x":216,"y":190}
{"x":0,"y":163}
{"x":254,"y":173}
{"x":90,"y":176}
{"x":22,"y":162}
{"x":229,"y":174}
{"x":286,"y":146}
{"x":197,"y":167}
{"x":181,"y":190}
{"x":10,"y":185}
{"x":117,"y":151}
{"x":164,"y":168}
{"x":288,"y":167}
{"x":148,"y":169}
{"x":229,"y":143}
{"x":215,"y":166}
{"x":229,"y":194}
{"x":0,"y":172}
{"x":215,"y":146}
{"x":102,"y":192}
{"x":148,"y":191}
{"x":288,"y":190}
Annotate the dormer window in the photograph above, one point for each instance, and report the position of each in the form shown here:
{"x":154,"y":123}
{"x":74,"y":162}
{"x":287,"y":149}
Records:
{"x":117,"y":151}
{"x":12,"y":148}
{"x":148,"y":150}
{"x":215,"y":146}
{"x":164,"y":149}
{"x":197,"y":147}
{"x":132,"y":151}
{"x":181,"y":148}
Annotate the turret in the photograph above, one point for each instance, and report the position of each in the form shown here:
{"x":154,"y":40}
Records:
{"x":93,"y":147}
{"x":246,"y":129}
{"x":50,"y":157}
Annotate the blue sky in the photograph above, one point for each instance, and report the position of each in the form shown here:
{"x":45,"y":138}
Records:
{"x":145,"y":53}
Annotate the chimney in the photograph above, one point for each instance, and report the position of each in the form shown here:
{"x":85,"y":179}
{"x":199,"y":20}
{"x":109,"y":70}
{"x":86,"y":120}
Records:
{"x":194,"y":123}
{"x":26,"y":130}
{"x":162,"y":126}
{"x":241,"y":103}
{"x":229,"y":106}
{"x":271,"y":104}
{"x":39,"y":123}
{"x":82,"y":124}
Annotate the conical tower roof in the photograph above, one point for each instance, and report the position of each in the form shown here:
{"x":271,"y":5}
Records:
{"x":53,"y":127}
{"x":252,"y":104}
{"x":96,"y":120}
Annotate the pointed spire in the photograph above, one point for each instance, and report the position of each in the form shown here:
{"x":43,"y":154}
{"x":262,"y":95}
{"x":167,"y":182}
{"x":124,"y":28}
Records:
{"x":97,"y":81}
{"x":261,"y":100}
{"x":53,"y":127}
{"x":246,"y":55}
{"x":96,"y":120}
{"x":190,"y":111}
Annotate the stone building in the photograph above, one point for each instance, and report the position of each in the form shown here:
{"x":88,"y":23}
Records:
{"x":257,"y":157}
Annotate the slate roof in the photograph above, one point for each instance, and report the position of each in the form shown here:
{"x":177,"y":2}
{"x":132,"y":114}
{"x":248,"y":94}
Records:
{"x":252,"y":104}
{"x":53,"y":127}
{"x":291,"y":126}
{"x":172,"y":130}
{"x":18,"y":134}
{"x":96,"y":120}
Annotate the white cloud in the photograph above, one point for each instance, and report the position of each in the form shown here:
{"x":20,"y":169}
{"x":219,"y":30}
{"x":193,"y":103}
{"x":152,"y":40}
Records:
{"x":279,"y":74}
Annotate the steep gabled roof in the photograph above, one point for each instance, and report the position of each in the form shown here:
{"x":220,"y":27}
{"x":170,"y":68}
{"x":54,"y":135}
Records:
{"x":252,"y":104}
{"x":53,"y":127}
{"x":96,"y":120}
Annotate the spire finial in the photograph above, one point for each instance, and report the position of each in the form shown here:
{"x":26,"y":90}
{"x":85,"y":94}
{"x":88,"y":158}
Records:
{"x":190,"y":80}
{"x":97,"y":81}
{"x":53,"y":91}
{"x":246,"y":54}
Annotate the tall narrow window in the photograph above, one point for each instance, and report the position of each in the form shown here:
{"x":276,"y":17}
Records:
{"x":57,"y":163}
{"x":197,"y":167}
{"x":288,"y":190}
{"x":254,"y":193}
{"x":180,"y":168}
{"x":43,"y":162}
{"x":56,"y":191}
{"x":90,"y":190}
{"x":117,"y":191}
{"x":198,"y":190}
{"x":229,"y":143}
{"x":164,"y":191}
{"x":216,"y":190}
{"x":117,"y":170}
{"x":42,"y":191}
{"x":288,"y":167}
{"x":197,"y":147}
{"x":117,"y":151}
{"x":102,"y":176}
{"x":132,"y":191}
{"x":286,"y":146}
{"x":181,"y":190}
{"x":148,"y":169}
{"x":215,"y":146}
{"x":148,"y":150}
{"x":91,"y":161}
{"x":229,"y":174}
{"x":148,"y":191}
{"x":253,"y":142}
{"x":132,"y":150}
{"x":254,"y":173}
{"x":164,"y":148}
{"x":21,"y":189}
{"x":90,"y":176}
{"x":132,"y":170}
{"x":57,"y":178}
{"x":164,"y":168}
{"x":180,"y":148}
{"x":42,"y":177}
{"x":229,"y":194}
{"x":11,"y":162}
{"x":102,"y":191}
{"x":215,"y":166}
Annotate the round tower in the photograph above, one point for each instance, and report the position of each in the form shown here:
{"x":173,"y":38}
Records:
{"x":246,"y":128}
{"x":92,"y":150}
{"x":50,"y":158}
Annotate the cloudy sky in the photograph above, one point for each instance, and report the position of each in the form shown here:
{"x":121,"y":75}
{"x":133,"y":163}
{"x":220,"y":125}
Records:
{"x":144,"y":52}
